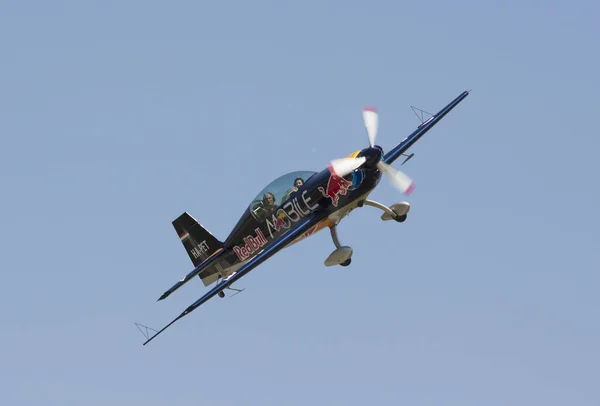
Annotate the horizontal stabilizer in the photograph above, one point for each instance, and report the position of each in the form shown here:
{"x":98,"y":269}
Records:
{"x":196,"y":271}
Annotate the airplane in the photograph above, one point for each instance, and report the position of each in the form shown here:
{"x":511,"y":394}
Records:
{"x":293,"y":207}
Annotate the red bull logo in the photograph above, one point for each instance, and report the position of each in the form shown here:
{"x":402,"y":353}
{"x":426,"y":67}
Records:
{"x":252,"y":244}
{"x":281,"y":220}
{"x":336,"y":186}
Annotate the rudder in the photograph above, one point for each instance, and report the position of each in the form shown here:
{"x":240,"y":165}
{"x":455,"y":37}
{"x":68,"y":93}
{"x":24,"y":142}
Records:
{"x":199,"y":243}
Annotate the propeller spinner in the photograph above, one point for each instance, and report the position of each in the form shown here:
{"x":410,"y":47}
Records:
{"x":345,"y":166}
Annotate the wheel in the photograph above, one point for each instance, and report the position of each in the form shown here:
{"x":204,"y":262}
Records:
{"x":346,"y":262}
{"x":400,"y":219}
{"x":221,"y":294}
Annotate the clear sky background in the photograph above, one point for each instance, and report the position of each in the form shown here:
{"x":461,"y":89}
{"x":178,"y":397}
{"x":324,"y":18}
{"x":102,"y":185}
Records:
{"x":117,"y":116}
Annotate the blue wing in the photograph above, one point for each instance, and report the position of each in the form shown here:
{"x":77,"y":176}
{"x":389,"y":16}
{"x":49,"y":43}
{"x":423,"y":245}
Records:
{"x":421,"y":130}
{"x":247,"y":267}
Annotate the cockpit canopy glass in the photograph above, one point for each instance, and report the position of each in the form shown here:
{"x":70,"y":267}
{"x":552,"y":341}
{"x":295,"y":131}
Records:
{"x":269,"y":200}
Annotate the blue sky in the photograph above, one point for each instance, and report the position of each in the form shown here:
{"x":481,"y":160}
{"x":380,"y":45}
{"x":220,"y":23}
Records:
{"x":119,"y":116}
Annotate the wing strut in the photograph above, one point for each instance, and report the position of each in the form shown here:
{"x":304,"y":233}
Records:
{"x":250,"y":265}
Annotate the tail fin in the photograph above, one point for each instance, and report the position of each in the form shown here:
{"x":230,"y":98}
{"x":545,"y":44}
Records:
{"x":198,"y":242}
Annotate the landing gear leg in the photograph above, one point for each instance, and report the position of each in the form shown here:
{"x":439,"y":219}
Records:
{"x":342,"y":254}
{"x":398,"y":211}
{"x":334,"y":237}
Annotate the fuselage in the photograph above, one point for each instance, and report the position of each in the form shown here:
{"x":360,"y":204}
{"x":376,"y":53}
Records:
{"x":324,"y":196}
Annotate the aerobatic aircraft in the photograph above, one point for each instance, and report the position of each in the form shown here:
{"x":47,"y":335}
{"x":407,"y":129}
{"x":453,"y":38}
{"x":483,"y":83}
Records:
{"x":293,"y":207}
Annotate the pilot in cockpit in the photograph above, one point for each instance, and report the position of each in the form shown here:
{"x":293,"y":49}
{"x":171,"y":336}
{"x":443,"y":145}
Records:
{"x":265,"y":208}
{"x":297,"y":183}
{"x":268,"y":204}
